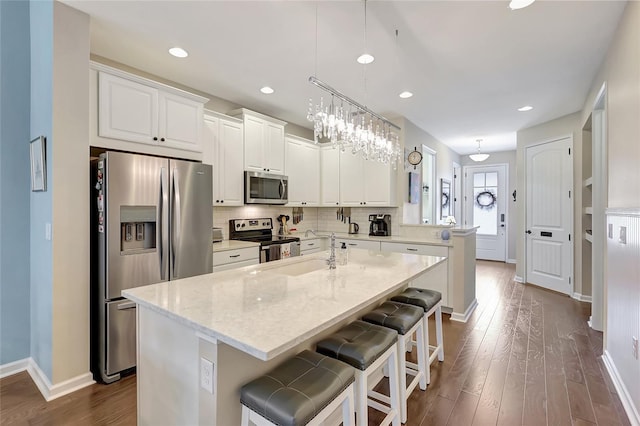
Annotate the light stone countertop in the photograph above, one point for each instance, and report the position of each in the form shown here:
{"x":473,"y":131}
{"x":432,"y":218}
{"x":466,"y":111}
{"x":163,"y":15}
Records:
{"x":226,"y":245}
{"x":364,"y":236}
{"x":265,"y":309}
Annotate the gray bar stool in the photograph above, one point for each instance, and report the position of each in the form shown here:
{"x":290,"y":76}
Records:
{"x":431,"y":302}
{"x":303,"y":390}
{"x":368,"y":347}
{"x":406,"y":320}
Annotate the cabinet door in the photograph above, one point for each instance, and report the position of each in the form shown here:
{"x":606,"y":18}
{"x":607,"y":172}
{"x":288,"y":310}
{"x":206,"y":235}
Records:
{"x":127,"y":110}
{"x":180,"y":122}
{"x":210,"y":149}
{"x":377,"y":183}
{"x":351,"y":179}
{"x":274,"y":148}
{"x":360,"y":244}
{"x":303,"y":170}
{"x":253,"y":144}
{"x":330,"y":176}
{"x":230,"y":164}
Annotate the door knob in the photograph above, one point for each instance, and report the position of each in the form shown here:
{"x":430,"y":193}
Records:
{"x":528,"y":231}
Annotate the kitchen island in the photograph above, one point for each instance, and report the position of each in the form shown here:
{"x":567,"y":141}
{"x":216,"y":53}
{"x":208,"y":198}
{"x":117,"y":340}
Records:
{"x":241,"y":323}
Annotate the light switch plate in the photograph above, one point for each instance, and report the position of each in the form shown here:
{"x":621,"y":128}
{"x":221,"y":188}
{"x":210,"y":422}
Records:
{"x":610,"y":231}
{"x":623,"y":235}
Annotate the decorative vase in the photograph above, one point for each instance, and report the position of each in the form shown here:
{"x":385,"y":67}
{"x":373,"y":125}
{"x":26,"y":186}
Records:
{"x":445,"y":234}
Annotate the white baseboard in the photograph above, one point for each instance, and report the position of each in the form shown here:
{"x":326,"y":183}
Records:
{"x":621,"y":389}
{"x":14,"y":367}
{"x":518,"y":279}
{"x":51,"y":392}
{"x":581,"y":297}
{"x":455,"y":316}
{"x":511,"y":261}
{"x":48,"y":391}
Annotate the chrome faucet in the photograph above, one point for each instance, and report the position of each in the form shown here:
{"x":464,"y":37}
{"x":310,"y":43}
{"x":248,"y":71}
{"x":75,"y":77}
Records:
{"x":332,"y":255}
{"x":306,"y":233}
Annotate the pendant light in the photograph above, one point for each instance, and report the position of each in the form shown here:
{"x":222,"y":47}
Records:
{"x":478,"y":156}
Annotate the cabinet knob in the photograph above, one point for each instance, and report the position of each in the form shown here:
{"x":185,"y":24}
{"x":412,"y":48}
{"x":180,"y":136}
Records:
{"x":155,"y":138}
{"x":222,"y":201}
{"x":161,"y":139}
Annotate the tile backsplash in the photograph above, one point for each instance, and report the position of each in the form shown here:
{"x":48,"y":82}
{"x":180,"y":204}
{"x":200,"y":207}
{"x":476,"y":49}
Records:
{"x":317,"y":218}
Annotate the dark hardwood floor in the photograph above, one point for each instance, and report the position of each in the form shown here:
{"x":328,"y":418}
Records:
{"x":526,"y":357}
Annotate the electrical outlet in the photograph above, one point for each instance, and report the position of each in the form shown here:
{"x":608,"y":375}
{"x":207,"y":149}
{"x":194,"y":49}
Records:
{"x":634,"y":346}
{"x":206,"y":375}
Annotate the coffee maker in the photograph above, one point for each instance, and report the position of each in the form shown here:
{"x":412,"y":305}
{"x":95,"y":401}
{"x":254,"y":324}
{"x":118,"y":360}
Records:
{"x":380,"y":225}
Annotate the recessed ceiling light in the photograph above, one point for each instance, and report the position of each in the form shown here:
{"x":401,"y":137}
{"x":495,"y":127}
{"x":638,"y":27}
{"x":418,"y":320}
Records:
{"x":365,"y":58}
{"x":178,"y":52}
{"x":520,"y":4}
{"x":405,"y":95}
{"x":525,"y":108}
{"x":267,"y":90}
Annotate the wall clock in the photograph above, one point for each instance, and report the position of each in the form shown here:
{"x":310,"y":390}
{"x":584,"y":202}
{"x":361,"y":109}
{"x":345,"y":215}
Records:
{"x":414,"y":158}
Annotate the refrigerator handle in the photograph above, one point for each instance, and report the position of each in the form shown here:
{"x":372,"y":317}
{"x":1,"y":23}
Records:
{"x":161,"y":218}
{"x":175,"y":214}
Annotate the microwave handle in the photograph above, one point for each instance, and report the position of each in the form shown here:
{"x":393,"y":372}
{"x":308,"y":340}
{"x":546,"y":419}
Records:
{"x":282,"y":189}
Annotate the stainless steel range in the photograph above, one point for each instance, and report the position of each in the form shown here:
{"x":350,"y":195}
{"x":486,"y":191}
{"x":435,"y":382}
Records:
{"x":272,"y":247}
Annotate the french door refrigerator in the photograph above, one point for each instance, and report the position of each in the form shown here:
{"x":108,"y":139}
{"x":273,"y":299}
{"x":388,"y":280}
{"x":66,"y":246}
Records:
{"x":153,"y":223}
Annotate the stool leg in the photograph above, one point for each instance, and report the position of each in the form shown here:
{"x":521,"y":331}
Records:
{"x":348,"y":413}
{"x":361,"y":398}
{"x":426,"y":345}
{"x":245,"y":416}
{"x":394,"y":387}
{"x":423,"y":366}
{"x":402,"y":373}
{"x":439,"y":341}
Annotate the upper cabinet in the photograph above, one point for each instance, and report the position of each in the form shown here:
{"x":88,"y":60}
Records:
{"x":264,"y":145}
{"x":223,"y":149}
{"x":329,"y":176}
{"x":302,"y":162}
{"x":134,"y":109}
{"x":366,"y":182}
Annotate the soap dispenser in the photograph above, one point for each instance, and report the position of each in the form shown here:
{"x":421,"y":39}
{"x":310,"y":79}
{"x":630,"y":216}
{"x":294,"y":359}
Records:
{"x":344,"y":254}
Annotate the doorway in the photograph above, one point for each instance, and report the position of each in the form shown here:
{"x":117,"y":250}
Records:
{"x":486,"y":207}
{"x":549,"y":214}
{"x":429,"y":190}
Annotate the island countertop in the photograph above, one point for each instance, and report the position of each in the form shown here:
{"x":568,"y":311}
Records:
{"x":267,"y":309}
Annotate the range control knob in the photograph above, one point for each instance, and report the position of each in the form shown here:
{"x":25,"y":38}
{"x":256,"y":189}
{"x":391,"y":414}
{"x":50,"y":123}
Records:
{"x":243,"y":225}
{"x":237,"y":225}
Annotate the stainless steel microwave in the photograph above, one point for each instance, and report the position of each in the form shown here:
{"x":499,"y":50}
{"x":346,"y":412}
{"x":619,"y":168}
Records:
{"x":265,"y":188}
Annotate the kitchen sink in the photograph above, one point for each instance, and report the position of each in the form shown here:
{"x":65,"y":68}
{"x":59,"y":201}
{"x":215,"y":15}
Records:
{"x":302,"y":267}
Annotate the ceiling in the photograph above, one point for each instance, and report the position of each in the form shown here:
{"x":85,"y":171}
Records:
{"x":470,"y":64}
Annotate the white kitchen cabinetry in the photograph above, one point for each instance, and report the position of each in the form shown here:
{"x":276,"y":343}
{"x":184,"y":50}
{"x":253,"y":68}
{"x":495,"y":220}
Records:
{"x":438,"y":279}
{"x":302,"y":163}
{"x":223,"y":149}
{"x":329,"y":176}
{"x":366,"y":182}
{"x":360,"y":244}
{"x":310,"y":246}
{"x":134,"y":109}
{"x":230,"y":259}
{"x":264,"y":145}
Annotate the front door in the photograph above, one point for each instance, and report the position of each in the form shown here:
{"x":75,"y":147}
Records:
{"x":486,"y":207}
{"x":549,"y":172}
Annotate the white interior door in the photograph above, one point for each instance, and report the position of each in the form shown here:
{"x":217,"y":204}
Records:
{"x":486,"y":207}
{"x":548,"y":174}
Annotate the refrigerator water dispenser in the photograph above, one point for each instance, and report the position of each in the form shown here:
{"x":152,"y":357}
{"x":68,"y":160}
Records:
{"x":137,"y":229}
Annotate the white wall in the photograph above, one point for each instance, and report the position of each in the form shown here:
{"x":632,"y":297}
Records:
{"x":621,"y":72}
{"x":508,"y":158}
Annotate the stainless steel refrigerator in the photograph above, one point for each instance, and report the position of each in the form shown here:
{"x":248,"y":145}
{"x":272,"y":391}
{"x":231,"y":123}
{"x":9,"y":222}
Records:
{"x":152,"y":222}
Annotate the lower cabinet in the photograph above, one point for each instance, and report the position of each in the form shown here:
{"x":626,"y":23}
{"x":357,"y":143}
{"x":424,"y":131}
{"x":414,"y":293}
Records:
{"x":311,"y":246}
{"x":230,"y":259}
{"x":438,"y":278}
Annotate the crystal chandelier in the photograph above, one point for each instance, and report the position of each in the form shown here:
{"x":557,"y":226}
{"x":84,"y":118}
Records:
{"x":353,"y":126}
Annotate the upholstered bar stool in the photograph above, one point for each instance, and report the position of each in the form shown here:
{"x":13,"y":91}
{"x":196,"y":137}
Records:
{"x":406,"y":320}
{"x":303,"y":390}
{"x":431,"y":302}
{"x":367,"y":347}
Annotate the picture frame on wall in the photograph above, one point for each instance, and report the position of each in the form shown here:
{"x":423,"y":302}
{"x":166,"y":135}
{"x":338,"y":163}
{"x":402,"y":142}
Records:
{"x":38,"y":154}
{"x":414,"y":188}
{"x":445,"y":198}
